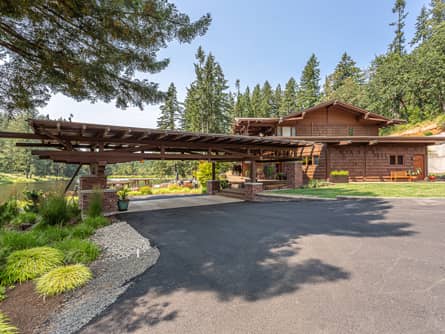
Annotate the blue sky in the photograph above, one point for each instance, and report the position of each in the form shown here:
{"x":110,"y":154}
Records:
{"x":260,"y":40}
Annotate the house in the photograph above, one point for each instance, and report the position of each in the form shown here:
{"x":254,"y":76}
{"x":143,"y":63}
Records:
{"x":347,"y":138}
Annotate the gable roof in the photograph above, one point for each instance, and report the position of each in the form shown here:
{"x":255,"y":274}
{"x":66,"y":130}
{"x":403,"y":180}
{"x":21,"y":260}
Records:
{"x":346,"y":107}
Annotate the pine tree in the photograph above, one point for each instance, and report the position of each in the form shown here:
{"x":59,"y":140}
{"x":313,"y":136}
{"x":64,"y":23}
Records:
{"x":256,"y":101}
{"x":437,"y":12}
{"x":266,"y":101}
{"x":346,"y":69}
{"x":422,"y":27}
{"x":207,"y":106}
{"x":398,"y":44}
{"x":289,"y":98}
{"x":88,"y":50}
{"x":171,"y":110}
{"x":238,"y":105}
{"x":276,"y":101}
{"x":309,"y":91}
{"x":247,"y":105}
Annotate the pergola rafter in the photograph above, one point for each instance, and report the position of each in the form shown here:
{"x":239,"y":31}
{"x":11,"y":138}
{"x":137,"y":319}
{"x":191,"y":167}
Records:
{"x":82,"y":143}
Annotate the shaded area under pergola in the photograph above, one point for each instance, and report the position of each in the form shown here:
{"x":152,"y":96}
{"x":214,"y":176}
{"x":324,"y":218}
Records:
{"x":97,"y":145}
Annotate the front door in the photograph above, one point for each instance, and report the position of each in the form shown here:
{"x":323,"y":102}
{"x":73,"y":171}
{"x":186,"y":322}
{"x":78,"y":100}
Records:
{"x":419,"y":164}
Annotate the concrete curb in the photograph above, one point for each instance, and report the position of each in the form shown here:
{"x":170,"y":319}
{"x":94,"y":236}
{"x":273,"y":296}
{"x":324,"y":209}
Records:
{"x":341,"y":197}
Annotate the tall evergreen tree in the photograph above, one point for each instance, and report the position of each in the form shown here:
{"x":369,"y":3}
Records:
{"x":289,"y":98}
{"x":256,"y":101}
{"x":266,"y":105}
{"x":309,"y":90}
{"x":87,"y":50}
{"x":276,"y":101}
{"x":398,"y":43}
{"x":206,"y":104}
{"x":247,"y":105}
{"x":422,"y":27}
{"x":238,"y":104}
{"x":437,"y":12}
{"x":171,"y":110}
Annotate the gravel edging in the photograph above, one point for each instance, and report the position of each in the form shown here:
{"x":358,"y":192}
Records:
{"x":125,"y":255}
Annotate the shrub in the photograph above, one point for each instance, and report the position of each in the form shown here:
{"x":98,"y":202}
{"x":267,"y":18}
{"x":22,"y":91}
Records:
{"x":77,"y":250}
{"x":54,"y":210}
{"x":52,"y":233}
{"x":146,"y":190}
{"x":81,"y":231}
{"x":96,"y":222}
{"x":33,"y":198}
{"x":428,"y":133}
{"x":339,"y":173}
{"x":63,"y":279}
{"x":30,"y":263}
{"x":95,"y":205}
{"x":5,"y":326}
{"x":25,"y":218}
{"x":74,"y":211}
{"x":8,"y":211}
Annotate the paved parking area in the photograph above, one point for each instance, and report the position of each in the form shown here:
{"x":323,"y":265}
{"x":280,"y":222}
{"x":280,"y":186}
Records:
{"x":353,"y":266}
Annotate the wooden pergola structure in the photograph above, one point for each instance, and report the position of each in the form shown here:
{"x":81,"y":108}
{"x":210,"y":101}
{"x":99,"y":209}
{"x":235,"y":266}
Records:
{"x":97,"y":145}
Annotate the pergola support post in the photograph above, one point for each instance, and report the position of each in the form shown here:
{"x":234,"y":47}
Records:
{"x":94,"y":183}
{"x":294,"y":174}
{"x":253,"y":171}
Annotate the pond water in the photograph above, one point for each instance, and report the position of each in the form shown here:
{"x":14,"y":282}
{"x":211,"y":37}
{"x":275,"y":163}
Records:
{"x":16,"y":189}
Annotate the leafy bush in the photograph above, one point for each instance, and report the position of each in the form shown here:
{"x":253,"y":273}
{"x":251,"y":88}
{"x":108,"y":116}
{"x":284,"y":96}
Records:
{"x":339,"y":173}
{"x":33,"y":198}
{"x":428,"y":133}
{"x":81,"y":231}
{"x":30,"y":263}
{"x":95,"y":206}
{"x":25,"y":218}
{"x":96,"y":222}
{"x":63,"y":279}
{"x":146,"y":190}
{"x":2,"y":293}
{"x":8,"y":211}
{"x":74,"y":211}
{"x":77,"y":250}
{"x":5,"y":326}
{"x":54,"y":210}
{"x":204,"y":173}
{"x":314,"y":183}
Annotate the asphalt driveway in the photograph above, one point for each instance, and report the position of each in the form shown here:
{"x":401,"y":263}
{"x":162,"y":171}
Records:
{"x":360,"y":266}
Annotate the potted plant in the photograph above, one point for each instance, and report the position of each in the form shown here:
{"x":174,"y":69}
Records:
{"x":432,"y":177}
{"x":339,"y":176}
{"x":123,"y":201}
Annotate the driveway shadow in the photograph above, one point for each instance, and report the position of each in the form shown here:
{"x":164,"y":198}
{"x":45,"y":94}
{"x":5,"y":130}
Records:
{"x":239,"y":250}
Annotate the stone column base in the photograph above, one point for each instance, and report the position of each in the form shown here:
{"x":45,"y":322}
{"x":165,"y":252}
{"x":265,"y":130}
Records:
{"x":109,"y":199}
{"x":213,"y":187}
{"x":294,"y":174}
{"x":252,"y":188}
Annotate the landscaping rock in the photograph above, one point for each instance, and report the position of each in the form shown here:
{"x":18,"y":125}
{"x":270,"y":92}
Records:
{"x":126,"y":254}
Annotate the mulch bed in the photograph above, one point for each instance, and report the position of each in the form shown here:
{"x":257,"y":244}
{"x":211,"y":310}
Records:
{"x":26,"y":309}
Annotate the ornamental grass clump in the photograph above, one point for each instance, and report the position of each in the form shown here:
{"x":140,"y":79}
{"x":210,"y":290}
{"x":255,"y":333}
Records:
{"x":96,"y":222}
{"x":55,"y":210}
{"x":5,"y":326}
{"x":30,"y":263}
{"x":77,"y":250}
{"x":63,"y":279}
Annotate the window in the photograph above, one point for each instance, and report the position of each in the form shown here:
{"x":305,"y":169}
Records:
{"x":350,"y":131}
{"x":396,"y":159}
{"x":293,"y":131}
{"x":315,"y":159}
{"x":286,"y":131}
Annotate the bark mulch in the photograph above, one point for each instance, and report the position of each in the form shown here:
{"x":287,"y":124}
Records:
{"x":26,"y":309}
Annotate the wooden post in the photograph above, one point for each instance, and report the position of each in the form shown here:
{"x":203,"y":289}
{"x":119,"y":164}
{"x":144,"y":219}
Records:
{"x":213,"y":171}
{"x":253,"y":171}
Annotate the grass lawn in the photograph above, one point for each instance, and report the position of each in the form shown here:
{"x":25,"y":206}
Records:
{"x":6,"y":178}
{"x":414,"y":189}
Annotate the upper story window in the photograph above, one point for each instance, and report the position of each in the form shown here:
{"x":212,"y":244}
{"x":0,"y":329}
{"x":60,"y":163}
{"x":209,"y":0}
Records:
{"x":286,"y":131}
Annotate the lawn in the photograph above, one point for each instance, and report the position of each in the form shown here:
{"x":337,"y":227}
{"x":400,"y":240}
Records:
{"x":6,"y":178}
{"x":414,"y":189}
